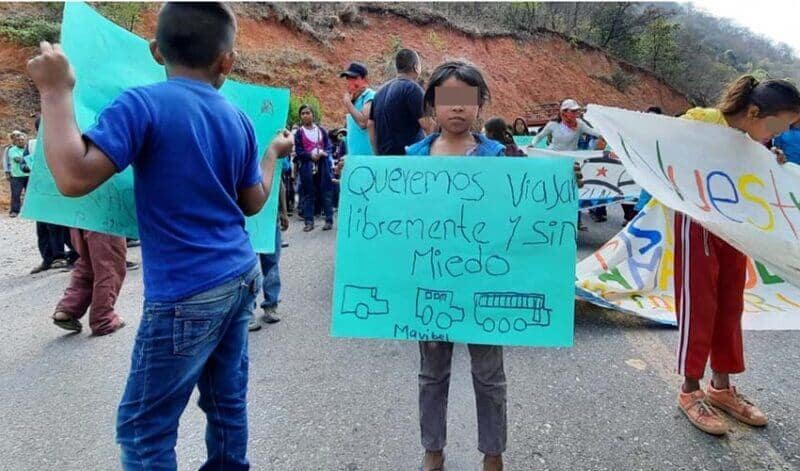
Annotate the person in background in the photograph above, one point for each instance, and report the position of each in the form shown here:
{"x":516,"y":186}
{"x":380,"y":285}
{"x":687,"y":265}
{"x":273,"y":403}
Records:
{"x":17,"y":170}
{"x":396,"y":118}
{"x":95,"y":283}
{"x":50,"y":238}
{"x":340,"y":151}
{"x":270,"y":269}
{"x":600,"y":214}
{"x":789,"y":143}
{"x":313,"y":149}
{"x":710,"y":274}
{"x":496,"y":129}
{"x":521,"y":127}
{"x":358,"y":101}
{"x":564,"y":132}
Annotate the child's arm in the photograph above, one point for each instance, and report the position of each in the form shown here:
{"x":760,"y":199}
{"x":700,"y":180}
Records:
{"x":77,"y":167}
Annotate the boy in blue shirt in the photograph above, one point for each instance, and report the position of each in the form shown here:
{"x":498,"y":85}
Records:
{"x":197,"y":176}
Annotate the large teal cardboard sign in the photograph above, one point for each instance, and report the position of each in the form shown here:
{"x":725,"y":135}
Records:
{"x":468,"y":249}
{"x":108,"y":60}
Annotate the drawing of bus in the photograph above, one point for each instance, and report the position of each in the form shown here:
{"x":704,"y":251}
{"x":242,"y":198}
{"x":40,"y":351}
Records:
{"x":363,"y":302}
{"x":434,"y":304}
{"x":504,"y":310}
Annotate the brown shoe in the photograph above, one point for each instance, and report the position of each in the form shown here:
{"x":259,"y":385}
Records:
{"x":735,"y":404}
{"x":433,"y":461}
{"x":120,"y":324}
{"x":701,"y":414}
{"x":493,"y":463}
{"x":66,"y":321}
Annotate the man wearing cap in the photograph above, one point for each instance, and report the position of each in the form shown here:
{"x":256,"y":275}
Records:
{"x":358,"y":100}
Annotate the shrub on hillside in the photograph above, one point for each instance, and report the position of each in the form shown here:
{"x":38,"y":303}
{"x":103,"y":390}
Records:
{"x":29,"y":31}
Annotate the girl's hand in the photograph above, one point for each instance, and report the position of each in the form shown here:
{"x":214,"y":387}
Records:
{"x":780,"y":156}
{"x":347,"y":98}
{"x":284,"y":222}
{"x":576,"y":168}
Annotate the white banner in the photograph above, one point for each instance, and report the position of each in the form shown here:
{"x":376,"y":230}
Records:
{"x":719,"y":176}
{"x":722,"y":179}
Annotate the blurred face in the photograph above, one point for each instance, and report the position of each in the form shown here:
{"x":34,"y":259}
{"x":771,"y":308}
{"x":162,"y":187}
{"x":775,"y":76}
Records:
{"x":19,"y":141}
{"x":519,"y":126}
{"x":456,"y":105}
{"x":569,"y":116}
{"x":307,"y":116}
{"x":356,"y":85}
{"x":763,"y":129}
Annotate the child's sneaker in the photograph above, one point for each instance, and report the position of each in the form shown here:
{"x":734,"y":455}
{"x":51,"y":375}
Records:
{"x":738,"y":406}
{"x":701,"y":414}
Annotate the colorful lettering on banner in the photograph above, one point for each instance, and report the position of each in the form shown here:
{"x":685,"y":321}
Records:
{"x":720,"y":177}
{"x":633,"y":272}
{"x":466,"y":269}
{"x":107,"y":60}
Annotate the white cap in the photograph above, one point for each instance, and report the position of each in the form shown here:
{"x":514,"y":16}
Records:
{"x":570,"y":104}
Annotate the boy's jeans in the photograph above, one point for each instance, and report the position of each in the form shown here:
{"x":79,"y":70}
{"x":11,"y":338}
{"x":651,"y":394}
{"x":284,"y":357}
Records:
{"x":199,"y":341}
{"x":271,"y":272}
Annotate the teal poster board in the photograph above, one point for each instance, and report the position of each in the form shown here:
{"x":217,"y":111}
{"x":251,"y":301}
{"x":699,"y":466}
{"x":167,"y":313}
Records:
{"x":476,"y":250}
{"x":108,"y":60}
{"x":524,"y":141}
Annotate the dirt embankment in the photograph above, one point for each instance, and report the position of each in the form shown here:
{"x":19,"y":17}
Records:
{"x":273,"y":50}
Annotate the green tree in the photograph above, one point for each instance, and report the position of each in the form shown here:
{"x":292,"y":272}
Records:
{"x":125,"y":14}
{"x":658,"y":49}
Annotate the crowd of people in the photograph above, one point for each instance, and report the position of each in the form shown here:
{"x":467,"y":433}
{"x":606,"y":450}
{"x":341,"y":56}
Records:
{"x":201,"y":294}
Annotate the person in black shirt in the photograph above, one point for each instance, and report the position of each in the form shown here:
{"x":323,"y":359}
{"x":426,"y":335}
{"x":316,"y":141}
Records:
{"x":396,"y":119}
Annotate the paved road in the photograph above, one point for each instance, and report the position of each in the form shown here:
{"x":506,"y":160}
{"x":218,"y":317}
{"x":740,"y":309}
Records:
{"x":318,"y":403}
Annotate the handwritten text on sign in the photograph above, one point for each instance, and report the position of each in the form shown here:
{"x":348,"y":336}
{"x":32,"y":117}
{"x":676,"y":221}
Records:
{"x":475,"y":250}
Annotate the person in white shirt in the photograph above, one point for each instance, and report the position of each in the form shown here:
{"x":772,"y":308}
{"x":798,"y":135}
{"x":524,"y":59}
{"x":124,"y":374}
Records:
{"x":567,"y":129}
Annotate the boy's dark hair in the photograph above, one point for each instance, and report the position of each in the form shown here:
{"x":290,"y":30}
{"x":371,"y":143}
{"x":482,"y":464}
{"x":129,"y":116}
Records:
{"x":770,"y":96}
{"x":406,"y":61}
{"x":304,"y":107}
{"x":194,"y":34}
{"x":462,"y":71}
{"x":497,"y":129}
{"x":655,"y":110}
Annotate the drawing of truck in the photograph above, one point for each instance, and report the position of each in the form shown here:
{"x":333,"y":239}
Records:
{"x":363,"y":302}
{"x":502,"y":310}
{"x":435,"y":304}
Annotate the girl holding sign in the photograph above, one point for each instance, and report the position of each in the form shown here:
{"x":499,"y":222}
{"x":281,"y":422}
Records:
{"x":710,"y":273}
{"x":456,"y":93}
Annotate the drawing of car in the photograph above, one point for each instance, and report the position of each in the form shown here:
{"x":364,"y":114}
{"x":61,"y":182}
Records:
{"x":438,"y":305}
{"x":502,"y":310}
{"x":363,"y":302}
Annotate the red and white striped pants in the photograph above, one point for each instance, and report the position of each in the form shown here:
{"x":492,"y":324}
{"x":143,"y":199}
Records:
{"x":709,"y":291}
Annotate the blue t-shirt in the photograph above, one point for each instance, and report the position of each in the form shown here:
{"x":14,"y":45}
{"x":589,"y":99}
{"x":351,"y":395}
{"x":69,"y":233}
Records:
{"x":396,"y":110}
{"x":191,"y":152}
{"x":357,"y":138}
{"x":789,"y":143}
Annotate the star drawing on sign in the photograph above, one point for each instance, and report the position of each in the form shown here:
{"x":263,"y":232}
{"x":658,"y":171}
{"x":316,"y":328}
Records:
{"x":602,"y":172}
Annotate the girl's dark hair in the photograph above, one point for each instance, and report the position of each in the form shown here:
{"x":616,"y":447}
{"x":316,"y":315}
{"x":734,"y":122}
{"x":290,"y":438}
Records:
{"x":462,"y":71}
{"x":497,"y":129}
{"x":525,"y":125}
{"x":770,"y":96}
{"x":304,"y":107}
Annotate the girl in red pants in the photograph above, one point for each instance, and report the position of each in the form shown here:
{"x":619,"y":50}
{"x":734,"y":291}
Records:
{"x":710,"y":274}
